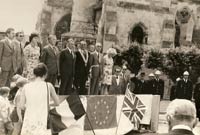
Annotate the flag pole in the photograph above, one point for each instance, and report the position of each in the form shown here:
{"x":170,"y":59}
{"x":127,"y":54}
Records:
{"x":121,"y":111}
{"x":76,"y":93}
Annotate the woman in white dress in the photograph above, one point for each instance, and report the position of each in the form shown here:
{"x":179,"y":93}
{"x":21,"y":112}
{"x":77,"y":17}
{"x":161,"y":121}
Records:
{"x":107,"y":70}
{"x":34,"y":99}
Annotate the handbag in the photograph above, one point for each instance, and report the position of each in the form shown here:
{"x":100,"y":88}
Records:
{"x":49,"y":120}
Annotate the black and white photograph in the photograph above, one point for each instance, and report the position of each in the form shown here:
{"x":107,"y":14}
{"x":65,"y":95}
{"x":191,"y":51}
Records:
{"x":100,"y":67}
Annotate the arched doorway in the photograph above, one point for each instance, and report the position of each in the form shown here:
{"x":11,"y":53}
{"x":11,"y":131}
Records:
{"x":63,"y":26}
{"x":138,"y":34}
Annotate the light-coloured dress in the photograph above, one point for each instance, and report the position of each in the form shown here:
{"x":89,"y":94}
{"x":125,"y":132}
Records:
{"x":107,"y":70}
{"x":35,"y":117}
{"x":32,"y":55}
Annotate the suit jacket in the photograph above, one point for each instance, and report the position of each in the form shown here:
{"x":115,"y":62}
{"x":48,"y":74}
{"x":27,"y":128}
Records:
{"x":82,"y":65}
{"x":142,"y":87}
{"x":159,"y":88}
{"x":117,"y":88}
{"x":196,"y":94}
{"x":179,"y":132}
{"x":19,"y":54}
{"x":95,"y":64}
{"x":7,"y":60}
{"x":67,"y":63}
{"x":184,"y":90}
{"x":50,"y":58}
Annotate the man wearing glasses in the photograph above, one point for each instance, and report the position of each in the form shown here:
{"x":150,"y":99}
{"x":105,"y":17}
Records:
{"x":19,"y":53}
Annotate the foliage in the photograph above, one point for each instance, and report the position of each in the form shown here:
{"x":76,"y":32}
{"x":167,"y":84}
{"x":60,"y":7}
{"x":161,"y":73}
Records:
{"x":133,"y":57}
{"x":174,"y":62}
{"x":154,"y":59}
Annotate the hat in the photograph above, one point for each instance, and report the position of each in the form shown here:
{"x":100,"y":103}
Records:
{"x":21,"y":81}
{"x":178,"y":79}
{"x":111,"y":51}
{"x":186,"y":73}
{"x":83,"y":42}
{"x":157,"y":72}
{"x":151,"y":74}
{"x":124,"y":67}
{"x":117,"y":68}
{"x":98,"y":44}
{"x":132,"y":75}
{"x":4,"y":90}
{"x":15,"y":77}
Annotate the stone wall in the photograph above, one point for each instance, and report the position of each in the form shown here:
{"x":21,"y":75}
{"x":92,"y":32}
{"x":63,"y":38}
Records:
{"x":82,"y":17}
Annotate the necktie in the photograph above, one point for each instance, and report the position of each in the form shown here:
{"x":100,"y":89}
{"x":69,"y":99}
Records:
{"x":54,"y":49}
{"x":21,"y":49}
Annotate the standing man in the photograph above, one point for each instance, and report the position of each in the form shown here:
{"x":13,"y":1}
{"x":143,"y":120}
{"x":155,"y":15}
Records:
{"x":181,"y":117}
{"x":142,"y":84}
{"x":7,"y":61}
{"x":95,"y":63}
{"x":184,"y":87}
{"x":81,"y":68}
{"x":67,"y":68}
{"x":159,"y":85}
{"x":49,"y":57}
{"x":19,"y":53}
{"x":151,"y":84}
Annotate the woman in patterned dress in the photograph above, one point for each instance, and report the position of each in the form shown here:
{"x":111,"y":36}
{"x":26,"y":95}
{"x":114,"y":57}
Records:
{"x":107,"y":70}
{"x":32,"y":54}
{"x":34,"y":97}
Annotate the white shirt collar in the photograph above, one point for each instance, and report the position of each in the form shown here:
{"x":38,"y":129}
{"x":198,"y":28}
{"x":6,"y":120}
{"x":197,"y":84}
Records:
{"x":182,"y":127}
{"x":69,"y":49}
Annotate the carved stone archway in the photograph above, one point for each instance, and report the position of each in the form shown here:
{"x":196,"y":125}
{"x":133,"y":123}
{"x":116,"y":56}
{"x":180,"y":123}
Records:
{"x":63,"y":26}
{"x":138,"y":34}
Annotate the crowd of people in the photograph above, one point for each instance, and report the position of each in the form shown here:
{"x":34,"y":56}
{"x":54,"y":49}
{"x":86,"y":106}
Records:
{"x":31,"y":70}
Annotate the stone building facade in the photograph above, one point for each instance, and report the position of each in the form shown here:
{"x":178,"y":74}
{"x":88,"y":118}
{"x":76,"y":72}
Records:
{"x":153,"y":23}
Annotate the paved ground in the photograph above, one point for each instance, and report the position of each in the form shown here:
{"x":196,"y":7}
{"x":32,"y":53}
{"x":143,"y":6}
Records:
{"x":162,"y":128}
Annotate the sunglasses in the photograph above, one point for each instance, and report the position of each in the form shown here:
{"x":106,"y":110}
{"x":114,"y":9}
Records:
{"x":21,"y":35}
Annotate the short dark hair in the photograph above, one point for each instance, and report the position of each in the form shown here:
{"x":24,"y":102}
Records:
{"x":32,"y":36}
{"x":40,"y":70}
{"x":9,"y":30}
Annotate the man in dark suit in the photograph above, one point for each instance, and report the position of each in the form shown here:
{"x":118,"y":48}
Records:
{"x":184,"y":87}
{"x":142,"y":84}
{"x":159,"y":85}
{"x":67,"y":68}
{"x":7,"y":59}
{"x":81,"y":68}
{"x":49,"y":57}
{"x":95,"y":64}
{"x":151,"y":84}
{"x":19,"y":53}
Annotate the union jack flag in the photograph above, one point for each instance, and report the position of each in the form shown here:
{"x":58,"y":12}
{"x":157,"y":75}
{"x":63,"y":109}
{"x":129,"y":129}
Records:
{"x":133,"y":108}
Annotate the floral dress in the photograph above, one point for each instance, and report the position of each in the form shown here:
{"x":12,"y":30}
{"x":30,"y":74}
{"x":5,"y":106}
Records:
{"x":107,"y":70}
{"x":32,"y":55}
